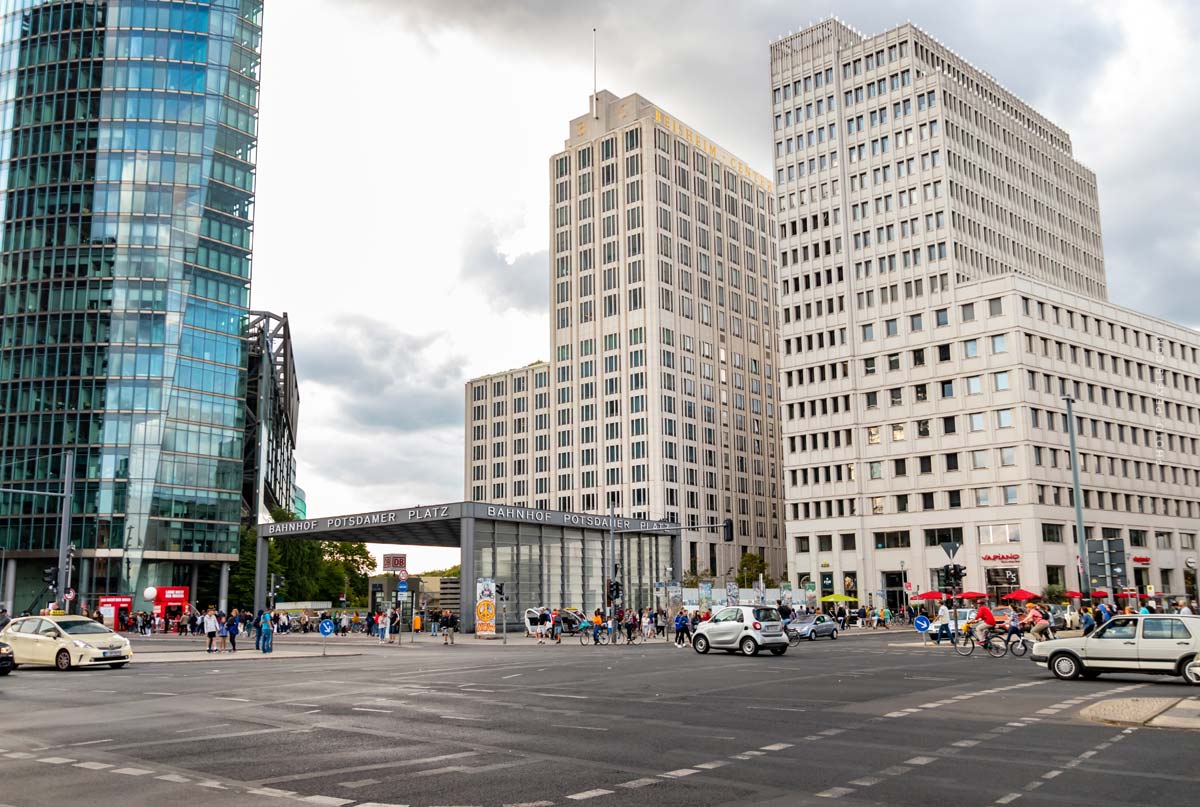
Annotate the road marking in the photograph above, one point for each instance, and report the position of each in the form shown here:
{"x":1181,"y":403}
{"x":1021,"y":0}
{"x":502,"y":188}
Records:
{"x":1009,"y":798}
{"x":90,"y":742}
{"x":456,"y":717}
{"x":164,"y":694}
{"x":211,"y":784}
{"x":518,"y":804}
{"x":310,"y":712}
{"x":201,"y":728}
{"x":93,"y":766}
{"x":895,"y":770}
{"x":18,"y":755}
{"x":589,"y":794}
{"x":636,"y":783}
{"x":708,"y":766}
{"x":1084,"y":755}
{"x":896,"y":714}
{"x":752,"y":754}
{"x":329,"y":801}
{"x":271,"y":791}
{"x":1034,"y":785}
{"x":478,"y":690}
{"x":831,"y":732}
{"x":966,"y":743}
{"x":132,"y":771}
{"x":239,"y":700}
{"x":518,"y":675}
{"x":305,"y":705}
{"x":174,"y":777}
{"x":920,"y":760}
{"x":55,"y":760}
{"x":866,"y":781}
{"x":679,"y":773}
{"x":777,"y":747}
{"x":365,"y":709}
{"x":775,"y":709}
{"x":835,"y":792}
{"x":573,"y":697}
{"x":359,"y":783}
{"x":582,"y":728}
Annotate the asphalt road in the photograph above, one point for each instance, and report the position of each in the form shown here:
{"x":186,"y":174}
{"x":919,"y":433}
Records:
{"x":872,"y":719}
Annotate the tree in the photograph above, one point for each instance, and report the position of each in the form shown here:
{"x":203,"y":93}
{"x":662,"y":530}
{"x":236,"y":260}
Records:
{"x":1054,"y":593}
{"x":453,"y":571}
{"x":749,"y":568}
{"x":693,"y":579}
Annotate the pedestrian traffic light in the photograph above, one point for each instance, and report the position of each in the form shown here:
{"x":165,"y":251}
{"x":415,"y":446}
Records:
{"x":50,"y":576}
{"x":959,"y":573}
{"x":616,"y":587}
{"x":499,"y":589}
{"x":727,"y":530}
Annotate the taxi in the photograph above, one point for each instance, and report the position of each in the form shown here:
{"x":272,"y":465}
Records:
{"x":63,"y":642}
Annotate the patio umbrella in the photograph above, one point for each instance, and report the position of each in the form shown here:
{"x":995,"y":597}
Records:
{"x":1127,"y":595}
{"x":1099,"y":595}
{"x":929,"y":595}
{"x":1020,"y":594}
{"x":1073,"y":595}
{"x":972,"y":595}
{"x":837,"y":598}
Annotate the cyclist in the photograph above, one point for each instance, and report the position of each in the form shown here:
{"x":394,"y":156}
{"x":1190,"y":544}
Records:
{"x":985,"y":621}
{"x":597,"y":622}
{"x":1036,"y":619}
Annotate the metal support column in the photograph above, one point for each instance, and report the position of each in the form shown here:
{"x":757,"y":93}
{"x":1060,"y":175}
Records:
{"x":64,"y":530}
{"x":1085,"y":581}
{"x":10,"y":585}
{"x":466,"y":576}
{"x":260,"y":574}
{"x":222,"y":587}
{"x":194,"y":589}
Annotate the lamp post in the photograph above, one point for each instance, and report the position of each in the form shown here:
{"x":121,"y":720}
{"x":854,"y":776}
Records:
{"x":1085,"y":579}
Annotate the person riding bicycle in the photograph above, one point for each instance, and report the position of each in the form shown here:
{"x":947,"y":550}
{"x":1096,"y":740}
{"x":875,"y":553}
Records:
{"x":597,"y":623}
{"x":1037,"y":622}
{"x":985,"y":621}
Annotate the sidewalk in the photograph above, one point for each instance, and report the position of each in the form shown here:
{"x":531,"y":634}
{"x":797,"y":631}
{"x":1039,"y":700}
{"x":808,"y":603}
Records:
{"x":247,"y":655}
{"x":1165,"y":713}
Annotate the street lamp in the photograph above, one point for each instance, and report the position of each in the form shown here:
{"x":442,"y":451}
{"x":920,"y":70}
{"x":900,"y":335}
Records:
{"x":1085,"y":576}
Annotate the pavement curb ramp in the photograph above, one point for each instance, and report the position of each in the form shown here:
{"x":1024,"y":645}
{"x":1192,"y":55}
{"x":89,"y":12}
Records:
{"x":1178,"y":713}
{"x":246,"y":656}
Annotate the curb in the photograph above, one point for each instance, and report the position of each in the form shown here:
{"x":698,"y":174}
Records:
{"x":1177,"y":713}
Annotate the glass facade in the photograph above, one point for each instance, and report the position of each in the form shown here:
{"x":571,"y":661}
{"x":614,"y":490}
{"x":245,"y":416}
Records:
{"x":127,"y":162}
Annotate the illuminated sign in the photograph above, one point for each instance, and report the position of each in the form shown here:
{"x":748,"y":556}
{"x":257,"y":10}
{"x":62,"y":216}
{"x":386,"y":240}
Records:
{"x":1004,"y":558}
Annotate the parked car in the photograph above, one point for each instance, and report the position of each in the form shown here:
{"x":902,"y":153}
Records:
{"x":65,"y":642}
{"x":1155,"y":644}
{"x":747,"y":628}
{"x":6,"y":658}
{"x":813,"y":626}
{"x":1063,"y":618}
{"x":572,"y":618}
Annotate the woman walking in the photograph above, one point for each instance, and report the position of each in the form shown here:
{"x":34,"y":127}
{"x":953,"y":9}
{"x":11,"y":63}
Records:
{"x":232,"y":625}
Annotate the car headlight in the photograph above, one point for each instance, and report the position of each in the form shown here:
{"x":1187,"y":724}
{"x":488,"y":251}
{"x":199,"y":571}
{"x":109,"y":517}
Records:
{"x":82,"y":645}
{"x":5,"y":651}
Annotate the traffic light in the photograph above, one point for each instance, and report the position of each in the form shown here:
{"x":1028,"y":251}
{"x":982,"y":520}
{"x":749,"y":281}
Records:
{"x":50,"y":576}
{"x":959,"y":573}
{"x":616,"y":589}
{"x":727,"y":530}
{"x":499,"y":589}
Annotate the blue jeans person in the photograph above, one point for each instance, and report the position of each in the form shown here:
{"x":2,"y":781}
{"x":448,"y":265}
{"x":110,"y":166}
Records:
{"x":596,"y":634}
{"x":258,"y":638}
{"x":943,"y":629}
{"x":266,"y":641}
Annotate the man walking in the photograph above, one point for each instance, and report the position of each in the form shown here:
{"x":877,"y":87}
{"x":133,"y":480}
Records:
{"x":211,"y":626}
{"x":268,"y":630}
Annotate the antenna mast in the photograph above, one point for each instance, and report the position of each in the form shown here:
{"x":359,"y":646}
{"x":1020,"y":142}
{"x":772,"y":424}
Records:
{"x":595,"y":101}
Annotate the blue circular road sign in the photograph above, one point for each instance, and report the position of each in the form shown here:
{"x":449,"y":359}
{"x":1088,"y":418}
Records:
{"x":326,"y":627}
{"x":921,"y":623}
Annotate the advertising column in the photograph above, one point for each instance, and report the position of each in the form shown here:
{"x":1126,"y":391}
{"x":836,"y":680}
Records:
{"x":485,"y":607}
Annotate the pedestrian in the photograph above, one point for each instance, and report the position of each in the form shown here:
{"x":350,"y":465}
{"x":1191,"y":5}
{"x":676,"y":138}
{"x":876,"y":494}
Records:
{"x":435,"y":624}
{"x":268,"y":631}
{"x":885,"y":617}
{"x":383,"y":626}
{"x":556,"y":623}
{"x":258,"y":630}
{"x":4,"y":617}
{"x":346,"y":622}
{"x":681,"y":628}
{"x":222,"y":633}
{"x":597,"y":621}
{"x":1087,"y":621}
{"x":452,"y":627}
{"x":211,"y":626}
{"x":543,"y":621}
{"x":942,"y":623}
{"x":232,"y":626}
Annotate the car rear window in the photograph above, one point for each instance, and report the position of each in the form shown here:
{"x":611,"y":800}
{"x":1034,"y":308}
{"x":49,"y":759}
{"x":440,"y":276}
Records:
{"x":766,"y":615}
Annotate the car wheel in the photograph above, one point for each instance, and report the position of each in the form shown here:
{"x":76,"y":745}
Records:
{"x":812,"y":635}
{"x":700,"y":644}
{"x":62,"y":660}
{"x":1065,"y":667}
{"x":1191,"y":670}
{"x":833,"y":634}
{"x":778,"y":651}
{"x":118,"y":665}
{"x":749,"y":647}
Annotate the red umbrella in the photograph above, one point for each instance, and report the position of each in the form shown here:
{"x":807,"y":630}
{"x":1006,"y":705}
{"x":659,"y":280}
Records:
{"x":1127,"y":595}
{"x":1020,"y":594}
{"x":1096,"y":595}
{"x":929,"y":595}
{"x":972,"y":595}
{"x":1074,"y":595}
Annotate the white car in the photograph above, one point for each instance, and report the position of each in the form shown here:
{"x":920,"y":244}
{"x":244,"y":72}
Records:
{"x":65,"y":642}
{"x":742,"y":627}
{"x":1155,"y":644}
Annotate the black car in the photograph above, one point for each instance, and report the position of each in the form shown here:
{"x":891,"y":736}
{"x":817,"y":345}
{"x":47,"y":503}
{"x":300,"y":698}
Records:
{"x":6,"y":658}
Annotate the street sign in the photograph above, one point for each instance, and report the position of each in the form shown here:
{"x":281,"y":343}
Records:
{"x":907,"y":585}
{"x":921,"y":623}
{"x":402,"y":585}
{"x":1149,"y":591}
{"x":951,"y":548}
{"x":403,"y":575}
{"x":326,"y":627}
{"x":395,"y":563}
{"x":69,"y":594}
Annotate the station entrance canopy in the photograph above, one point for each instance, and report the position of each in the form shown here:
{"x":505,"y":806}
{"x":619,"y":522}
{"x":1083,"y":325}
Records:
{"x":544,"y":557}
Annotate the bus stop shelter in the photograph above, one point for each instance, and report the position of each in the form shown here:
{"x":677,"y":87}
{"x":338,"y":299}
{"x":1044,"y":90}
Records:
{"x":544,"y":557}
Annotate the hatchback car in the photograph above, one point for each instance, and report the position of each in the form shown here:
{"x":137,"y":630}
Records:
{"x":6,"y":658}
{"x":1157,"y":644}
{"x":742,"y":627}
{"x":65,"y":642}
{"x":813,"y":626}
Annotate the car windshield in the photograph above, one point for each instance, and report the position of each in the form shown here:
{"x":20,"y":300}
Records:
{"x":766,"y":615}
{"x":77,"y":627}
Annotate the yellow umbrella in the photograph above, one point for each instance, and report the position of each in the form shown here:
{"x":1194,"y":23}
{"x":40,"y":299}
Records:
{"x":838,"y":598}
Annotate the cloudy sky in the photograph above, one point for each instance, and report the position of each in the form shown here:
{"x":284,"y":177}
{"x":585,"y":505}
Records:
{"x":402,"y":184}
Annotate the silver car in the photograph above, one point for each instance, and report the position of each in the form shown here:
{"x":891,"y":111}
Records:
{"x":742,"y":627}
{"x":813,"y":626}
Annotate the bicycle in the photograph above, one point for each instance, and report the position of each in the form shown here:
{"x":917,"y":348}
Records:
{"x":585,"y":637}
{"x":965,"y":642}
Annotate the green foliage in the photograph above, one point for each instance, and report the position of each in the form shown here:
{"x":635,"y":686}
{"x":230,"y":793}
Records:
{"x":453,"y":571}
{"x":749,"y":568}
{"x":694,"y":579}
{"x":1054,"y":593}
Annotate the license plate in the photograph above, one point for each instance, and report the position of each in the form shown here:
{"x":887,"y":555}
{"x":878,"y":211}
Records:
{"x":108,"y":653}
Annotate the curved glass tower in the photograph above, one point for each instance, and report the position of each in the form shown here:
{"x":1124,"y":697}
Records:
{"x":127,"y":156}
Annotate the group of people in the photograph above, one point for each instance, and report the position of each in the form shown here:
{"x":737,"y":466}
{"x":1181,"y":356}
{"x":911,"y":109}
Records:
{"x":221,"y":630}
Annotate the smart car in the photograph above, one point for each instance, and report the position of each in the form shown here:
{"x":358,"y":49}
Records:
{"x":747,"y":628}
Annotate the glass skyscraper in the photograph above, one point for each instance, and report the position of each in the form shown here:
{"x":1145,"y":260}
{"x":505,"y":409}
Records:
{"x":127,"y":162}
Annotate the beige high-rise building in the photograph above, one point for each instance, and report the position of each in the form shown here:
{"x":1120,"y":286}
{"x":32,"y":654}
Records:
{"x":659,"y":399}
{"x":943,"y":288}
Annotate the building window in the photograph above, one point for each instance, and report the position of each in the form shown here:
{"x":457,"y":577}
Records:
{"x":1056,"y":576}
{"x":897,"y":539}
{"x":801,"y":545}
{"x":943,"y":535}
{"x":1052,"y":533}
{"x":824,"y":543}
{"x":1162,"y":540}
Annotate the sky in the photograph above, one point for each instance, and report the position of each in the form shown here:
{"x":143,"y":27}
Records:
{"x":402,"y":210}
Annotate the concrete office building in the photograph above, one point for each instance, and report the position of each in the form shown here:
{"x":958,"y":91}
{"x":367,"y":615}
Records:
{"x":943,"y":287}
{"x":659,"y":398}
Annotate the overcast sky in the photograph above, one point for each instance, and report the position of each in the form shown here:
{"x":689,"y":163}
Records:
{"x":402,"y":185}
